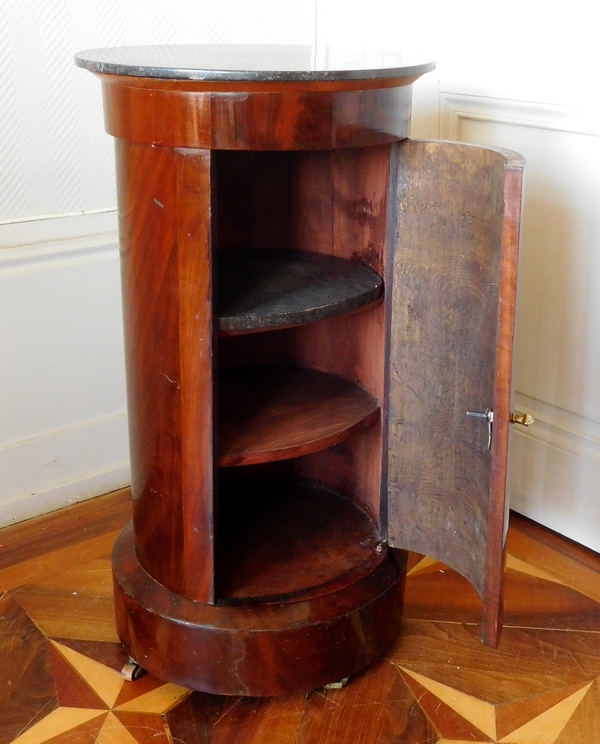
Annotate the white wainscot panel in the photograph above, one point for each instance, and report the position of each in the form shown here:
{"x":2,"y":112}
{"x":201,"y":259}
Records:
{"x":556,"y":463}
{"x":63,"y":430}
{"x":555,"y":471}
{"x":64,"y":466}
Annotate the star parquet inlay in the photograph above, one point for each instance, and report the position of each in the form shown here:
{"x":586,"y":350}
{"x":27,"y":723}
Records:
{"x":60,"y":678}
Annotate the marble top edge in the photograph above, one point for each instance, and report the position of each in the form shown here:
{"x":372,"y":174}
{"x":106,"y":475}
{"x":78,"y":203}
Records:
{"x":246,"y":62}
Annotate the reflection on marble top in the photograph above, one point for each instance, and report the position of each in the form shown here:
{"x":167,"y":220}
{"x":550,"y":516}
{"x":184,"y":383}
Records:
{"x":247,"y":62}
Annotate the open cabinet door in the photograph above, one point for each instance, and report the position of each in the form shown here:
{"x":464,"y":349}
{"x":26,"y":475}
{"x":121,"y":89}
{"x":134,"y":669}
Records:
{"x":450,"y":293}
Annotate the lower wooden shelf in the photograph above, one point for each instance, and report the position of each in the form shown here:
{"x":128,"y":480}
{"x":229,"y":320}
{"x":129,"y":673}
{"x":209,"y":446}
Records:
{"x":275,"y":413}
{"x":290,"y":540}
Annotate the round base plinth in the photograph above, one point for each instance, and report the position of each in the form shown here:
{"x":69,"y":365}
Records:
{"x":258,"y":650}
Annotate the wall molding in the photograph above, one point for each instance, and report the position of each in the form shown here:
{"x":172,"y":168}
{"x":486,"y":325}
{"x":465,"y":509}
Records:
{"x":57,"y":468}
{"x":59,"y":496}
{"x":550,"y":117}
{"x":58,"y":254}
{"x":565,"y":431}
{"x":40,"y":244}
{"x":56,"y":229}
{"x":555,"y":464}
{"x":555,"y":471}
{"x":63,"y":432}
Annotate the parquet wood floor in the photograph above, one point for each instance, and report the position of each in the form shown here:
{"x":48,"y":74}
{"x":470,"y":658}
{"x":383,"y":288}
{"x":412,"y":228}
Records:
{"x":60,"y":681}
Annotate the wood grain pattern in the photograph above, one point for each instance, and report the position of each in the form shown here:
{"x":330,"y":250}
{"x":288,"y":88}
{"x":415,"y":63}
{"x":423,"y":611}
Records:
{"x":44,"y":565}
{"x":377,"y":707}
{"x":76,"y":602}
{"x":529,"y":681}
{"x":269,"y":414}
{"x":72,"y":691}
{"x":151,"y":329}
{"x":503,"y":401}
{"x":193,"y":114}
{"x":584,"y":725}
{"x":340,"y":208}
{"x":530,"y":601}
{"x":444,"y":312}
{"x":111,"y":655}
{"x":88,"y":732}
{"x":549,"y":725}
{"x":83,"y":723}
{"x":27,"y":690}
{"x":195,"y":197}
{"x":287,"y":540}
{"x":145,"y":728}
{"x":165,"y":233}
{"x":529,"y":661}
{"x":216,"y":719}
{"x":62,"y":529}
{"x":332,"y":203}
{"x":452,"y":712}
{"x":512,"y":716}
{"x":556,"y":556}
{"x":274,"y":649}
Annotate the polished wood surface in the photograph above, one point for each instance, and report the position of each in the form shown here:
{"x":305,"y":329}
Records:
{"x":435,"y":684}
{"x":503,"y":400}
{"x":268,"y":414}
{"x":165,"y":233}
{"x":257,"y":116}
{"x":205,"y":174}
{"x":268,"y":289}
{"x":333,"y":203}
{"x":286,"y":540}
{"x":268,"y":649}
{"x":341,"y":202}
{"x":211,"y":201}
{"x":451,"y":282}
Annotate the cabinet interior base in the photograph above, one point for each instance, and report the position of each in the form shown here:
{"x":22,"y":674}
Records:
{"x":288,"y":540}
{"x":261,"y":650}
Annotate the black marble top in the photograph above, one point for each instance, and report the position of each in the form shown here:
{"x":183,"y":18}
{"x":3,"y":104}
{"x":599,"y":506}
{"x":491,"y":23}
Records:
{"x":248,"y":62}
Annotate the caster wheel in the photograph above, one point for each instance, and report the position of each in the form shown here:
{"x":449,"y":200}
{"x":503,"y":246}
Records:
{"x":132,"y":670}
{"x":337,"y":685}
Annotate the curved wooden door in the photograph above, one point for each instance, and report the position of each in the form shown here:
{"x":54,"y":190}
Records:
{"x":450,"y":293}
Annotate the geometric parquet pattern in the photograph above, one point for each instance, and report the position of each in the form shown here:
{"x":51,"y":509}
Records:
{"x":60,"y":681}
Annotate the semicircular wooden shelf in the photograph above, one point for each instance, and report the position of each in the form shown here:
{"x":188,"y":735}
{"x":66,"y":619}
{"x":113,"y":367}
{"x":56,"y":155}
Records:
{"x":266,"y":289}
{"x":290,"y":540}
{"x":275,"y":413}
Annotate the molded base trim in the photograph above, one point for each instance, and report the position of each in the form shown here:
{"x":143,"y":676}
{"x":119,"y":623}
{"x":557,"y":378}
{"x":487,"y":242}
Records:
{"x":260,"y":650}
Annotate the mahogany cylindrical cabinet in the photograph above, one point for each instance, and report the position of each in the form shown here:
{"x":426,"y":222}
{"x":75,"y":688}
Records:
{"x":259,"y":221}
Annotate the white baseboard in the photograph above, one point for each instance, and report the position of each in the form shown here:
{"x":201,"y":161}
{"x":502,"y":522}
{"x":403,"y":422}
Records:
{"x":63,"y":429}
{"x":457,"y":108}
{"x":49,"y":229}
{"x":555,"y":472}
{"x":64,"y":494}
{"x":62,"y":467}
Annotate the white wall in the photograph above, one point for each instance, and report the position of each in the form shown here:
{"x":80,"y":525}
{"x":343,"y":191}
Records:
{"x":510,"y":74}
{"x":63,"y":425}
{"x":524,"y":78}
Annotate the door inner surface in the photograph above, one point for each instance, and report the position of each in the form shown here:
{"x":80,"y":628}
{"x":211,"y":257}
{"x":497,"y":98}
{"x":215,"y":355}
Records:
{"x":451,"y":288}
